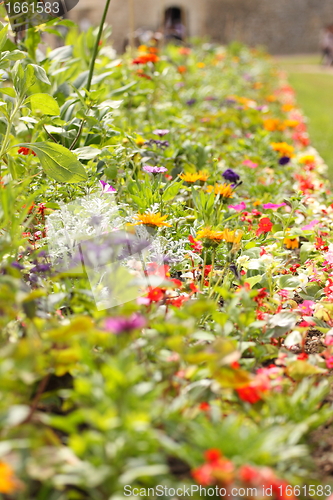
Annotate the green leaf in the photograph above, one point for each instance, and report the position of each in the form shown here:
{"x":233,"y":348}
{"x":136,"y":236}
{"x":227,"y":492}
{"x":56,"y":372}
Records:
{"x":40,"y":74}
{"x":87,"y":153}
{"x":45,"y":104}
{"x":299,"y":369}
{"x":8,"y":91}
{"x":3,"y":36}
{"x":123,"y":89}
{"x":58,"y":162}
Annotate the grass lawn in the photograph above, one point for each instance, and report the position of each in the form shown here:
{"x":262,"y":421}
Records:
{"x":315,"y":96}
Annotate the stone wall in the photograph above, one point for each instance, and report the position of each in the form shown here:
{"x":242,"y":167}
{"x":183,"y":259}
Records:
{"x":283,"y":26}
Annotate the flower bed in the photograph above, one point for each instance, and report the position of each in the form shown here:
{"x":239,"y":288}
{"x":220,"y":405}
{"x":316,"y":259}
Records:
{"x":190,"y":344}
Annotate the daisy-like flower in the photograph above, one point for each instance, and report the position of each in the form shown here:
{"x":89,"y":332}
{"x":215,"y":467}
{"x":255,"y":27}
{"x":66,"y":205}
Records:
{"x":107,"y":188}
{"x":161,"y":132}
{"x":151,"y":220}
{"x":154,"y":170}
{"x":224,"y":190}
{"x":197,"y":176}
{"x":217,"y":236}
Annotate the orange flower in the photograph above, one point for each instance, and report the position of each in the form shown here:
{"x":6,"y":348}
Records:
{"x":8,"y":482}
{"x":283,"y":148}
{"x":152,"y":220}
{"x":291,"y":243}
{"x":182,"y":69}
{"x":287,"y":107}
{"x":307,"y":159}
{"x":224,"y":190}
{"x":218,"y":236}
{"x":273,"y":124}
{"x":146,"y":58}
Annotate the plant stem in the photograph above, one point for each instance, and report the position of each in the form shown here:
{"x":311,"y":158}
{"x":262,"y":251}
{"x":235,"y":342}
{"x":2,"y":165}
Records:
{"x":99,"y":36}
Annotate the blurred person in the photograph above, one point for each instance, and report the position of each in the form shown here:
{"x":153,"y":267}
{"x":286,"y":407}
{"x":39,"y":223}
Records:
{"x":327,"y":45}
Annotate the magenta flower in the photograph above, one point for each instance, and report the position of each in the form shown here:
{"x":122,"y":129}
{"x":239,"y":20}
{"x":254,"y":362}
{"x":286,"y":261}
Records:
{"x":107,"y":188}
{"x":250,"y":164}
{"x":161,"y":132}
{"x":311,"y":225}
{"x":239,"y":207}
{"x":122,"y":324}
{"x":154,"y":170}
{"x":329,"y":362}
{"x":307,"y":307}
{"x":273,"y":206}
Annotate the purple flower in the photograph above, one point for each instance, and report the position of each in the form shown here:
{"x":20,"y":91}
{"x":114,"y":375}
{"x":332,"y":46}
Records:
{"x":161,"y":132}
{"x":154,"y":170}
{"x":107,"y":188}
{"x":190,"y":102}
{"x":17,"y":265}
{"x":230,"y":175}
{"x":284,"y":160}
{"x":122,"y":324}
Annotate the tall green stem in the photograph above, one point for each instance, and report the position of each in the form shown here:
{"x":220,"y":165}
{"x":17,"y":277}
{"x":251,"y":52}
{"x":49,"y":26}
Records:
{"x":98,"y":39}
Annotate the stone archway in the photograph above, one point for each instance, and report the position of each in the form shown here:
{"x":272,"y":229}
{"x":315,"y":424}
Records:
{"x":174,"y":23}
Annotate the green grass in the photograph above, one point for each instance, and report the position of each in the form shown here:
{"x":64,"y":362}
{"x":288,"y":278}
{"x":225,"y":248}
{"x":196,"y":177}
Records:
{"x":315,"y":97}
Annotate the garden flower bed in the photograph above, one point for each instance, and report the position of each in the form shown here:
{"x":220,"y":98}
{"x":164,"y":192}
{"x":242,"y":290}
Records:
{"x":166,"y":287}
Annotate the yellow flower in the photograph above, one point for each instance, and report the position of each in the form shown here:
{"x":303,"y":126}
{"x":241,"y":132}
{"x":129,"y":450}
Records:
{"x":197,"y":176}
{"x":152,"y":220}
{"x":307,"y":159}
{"x":140,"y":141}
{"x":224,"y":190}
{"x":217,"y":236}
{"x":271,"y":98}
{"x":201,"y":65}
{"x":283,"y":148}
{"x":291,"y":123}
{"x":8,"y":482}
{"x":143,"y":48}
{"x":256,"y":203}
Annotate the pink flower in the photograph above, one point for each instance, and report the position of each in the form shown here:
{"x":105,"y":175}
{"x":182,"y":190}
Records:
{"x":283,"y":293}
{"x":238,"y":208}
{"x":329,"y":362}
{"x":307,"y":307}
{"x":273,"y":206}
{"x":329,"y":340}
{"x":311,"y":225}
{"x":250,"y":164}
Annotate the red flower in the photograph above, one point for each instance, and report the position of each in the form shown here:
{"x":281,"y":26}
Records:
{"x":212,"y":455}
{"x":265,"y":226}
{"x":155,"y":295}
{"x":26,"y":151}
{"x":204,"y":406}
{"x":303,"y":356}
{"x":195,"y":245}
{"x":248,"y":474}
{"x":253,"y":392}
{"x":194,"y":288}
